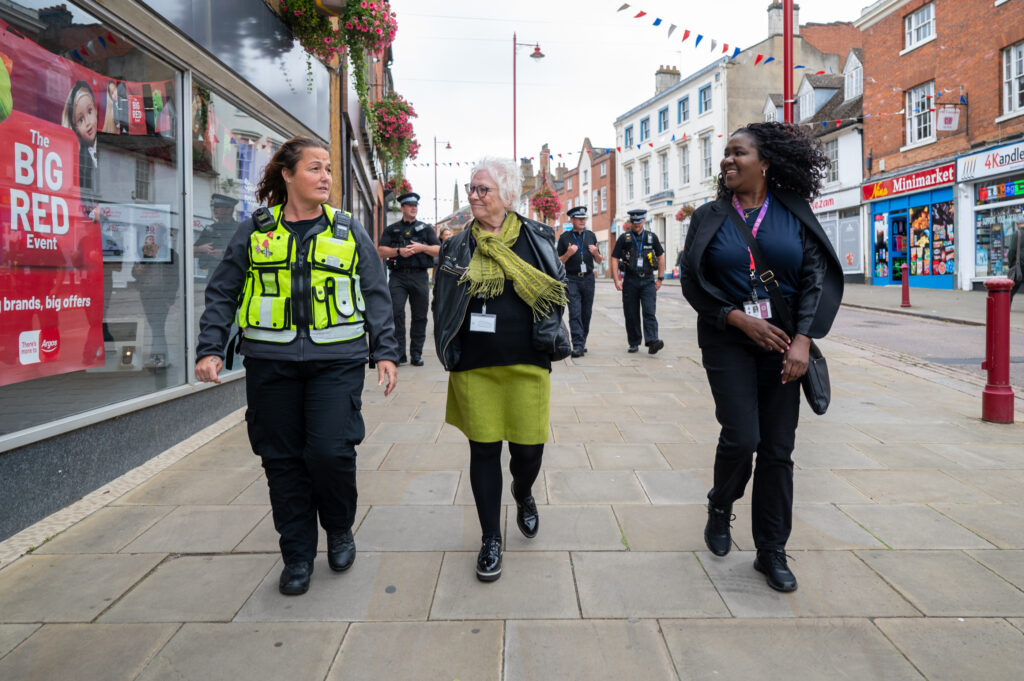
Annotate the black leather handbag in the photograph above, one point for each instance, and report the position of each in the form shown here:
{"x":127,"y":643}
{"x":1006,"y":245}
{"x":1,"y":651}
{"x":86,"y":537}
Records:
{"x":550,"y":334}
{"x":815,"y":383}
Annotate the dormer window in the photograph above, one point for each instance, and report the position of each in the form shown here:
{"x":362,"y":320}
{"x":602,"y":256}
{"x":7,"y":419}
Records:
{"x":806,"y":103}
{"x":854,"y":85}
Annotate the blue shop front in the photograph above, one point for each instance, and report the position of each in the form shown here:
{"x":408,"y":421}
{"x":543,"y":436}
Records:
{"x":912,"y":224}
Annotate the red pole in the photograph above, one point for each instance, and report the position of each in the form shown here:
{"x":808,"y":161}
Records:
{"x":514,"y":158}
{"x":906,"y":286}
{"x":997,"y":397}
{"x":787,"y":60}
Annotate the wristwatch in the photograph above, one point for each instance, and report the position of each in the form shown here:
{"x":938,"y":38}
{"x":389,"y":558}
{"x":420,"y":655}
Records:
{"x":661,"y":278}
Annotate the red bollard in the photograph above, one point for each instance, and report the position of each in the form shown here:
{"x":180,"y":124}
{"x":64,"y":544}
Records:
{"x":997,"y":397}
{"x":906,"y":286}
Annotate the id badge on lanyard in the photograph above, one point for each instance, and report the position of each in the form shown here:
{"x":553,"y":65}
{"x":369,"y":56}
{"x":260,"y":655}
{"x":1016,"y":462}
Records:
{"x":762,"y":309}
{"x":481,"y":322}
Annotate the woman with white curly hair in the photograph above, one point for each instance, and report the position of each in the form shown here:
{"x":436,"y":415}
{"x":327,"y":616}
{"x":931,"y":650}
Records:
{"x":498,"y":302}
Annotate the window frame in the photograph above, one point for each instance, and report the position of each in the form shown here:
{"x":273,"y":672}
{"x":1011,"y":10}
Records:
{"x":707,"y":160}
{"x":911,"y":31}
{"x":684,"y":164}
{"x":627,"y":136}
{"x":853,"y":83}
{"x":630,"y":186}
{"x":914,"y":120}
{"x":663,"y":119}
{"x":663,"y":169}
{"x":645,"y":128}
{"x":683,"y":110}
{"x":603,"y":168}
{"x":1013,"y":84}
{"x":832,"y":151}
{"x":645,"y":176}
{"x":701,"y":109}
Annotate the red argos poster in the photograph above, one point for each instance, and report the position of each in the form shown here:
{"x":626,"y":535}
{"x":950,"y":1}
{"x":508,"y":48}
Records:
{"x":51,"y":275}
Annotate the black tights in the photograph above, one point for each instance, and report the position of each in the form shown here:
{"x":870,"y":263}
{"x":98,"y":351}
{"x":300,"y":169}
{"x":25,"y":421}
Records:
{"x":485,"y":479}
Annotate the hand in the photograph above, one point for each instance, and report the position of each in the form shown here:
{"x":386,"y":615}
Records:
{"x":406,"y":251}
{"x":767,"y":336}
{"x":207,"y":369}
{"x":594,"y":250}
{"x":794,"y":364}
{"x":386,"y":370}
{"x":571,"y":250}
{"x":203,"y":249}
{"x":618,"y":283}
{"x":657,"y":284}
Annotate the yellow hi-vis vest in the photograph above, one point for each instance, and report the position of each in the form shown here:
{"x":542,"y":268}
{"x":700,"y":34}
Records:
{"x":323,"y":291}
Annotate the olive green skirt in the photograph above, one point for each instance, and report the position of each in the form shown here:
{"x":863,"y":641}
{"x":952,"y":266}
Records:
{"x":492,"y":404}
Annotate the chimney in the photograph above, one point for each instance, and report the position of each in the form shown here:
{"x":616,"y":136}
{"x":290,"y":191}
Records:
{"x":560,"y":171}
{"x":775,"y":17}
{"x":664,"y":78}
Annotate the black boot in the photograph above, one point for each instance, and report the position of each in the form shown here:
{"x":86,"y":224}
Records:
{"x":526,"y":514}
{"x":341,"y":550}
{"x":295,"y":578}
{"x":716,"y":533}
{"x":772,"y":563}
{"x":488,"y":562}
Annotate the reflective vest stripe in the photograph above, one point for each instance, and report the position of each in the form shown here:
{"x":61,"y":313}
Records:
{"x":283,"y":336}
{"x":333,"y":334}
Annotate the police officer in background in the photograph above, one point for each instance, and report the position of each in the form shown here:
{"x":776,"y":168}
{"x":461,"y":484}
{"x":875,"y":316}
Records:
{"x":578,"y":249}
{"x":638,"y":255}
{"x":410,"y":247}
{"x":210,"y":245}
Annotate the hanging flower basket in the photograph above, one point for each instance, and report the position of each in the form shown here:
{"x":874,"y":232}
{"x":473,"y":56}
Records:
{"x":546,"y":204}
{"x":393,"y":133}
{"x":361,"y":26}
{"x":397,"y":186}
{"x":685,"y":211}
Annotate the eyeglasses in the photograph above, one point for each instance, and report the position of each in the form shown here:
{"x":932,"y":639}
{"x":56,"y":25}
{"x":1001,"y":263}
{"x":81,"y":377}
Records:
{"x":480,"y":189}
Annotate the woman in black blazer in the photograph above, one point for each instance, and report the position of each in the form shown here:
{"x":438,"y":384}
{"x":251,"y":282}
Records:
{"x":769,"y":173}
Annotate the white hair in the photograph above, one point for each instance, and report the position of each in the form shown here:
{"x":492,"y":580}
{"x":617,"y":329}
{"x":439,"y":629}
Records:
{"x":505,"y":172}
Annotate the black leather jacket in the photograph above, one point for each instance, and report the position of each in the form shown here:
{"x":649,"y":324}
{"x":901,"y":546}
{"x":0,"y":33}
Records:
{"x":452,"y":300}
{"x":821,"y":275}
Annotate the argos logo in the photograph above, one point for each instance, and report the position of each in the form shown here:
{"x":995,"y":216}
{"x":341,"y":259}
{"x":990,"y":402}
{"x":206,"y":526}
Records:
{"x":38,"y":346}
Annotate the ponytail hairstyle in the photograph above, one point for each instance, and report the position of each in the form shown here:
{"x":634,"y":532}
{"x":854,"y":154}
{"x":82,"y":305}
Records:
{"x":272,"y":189}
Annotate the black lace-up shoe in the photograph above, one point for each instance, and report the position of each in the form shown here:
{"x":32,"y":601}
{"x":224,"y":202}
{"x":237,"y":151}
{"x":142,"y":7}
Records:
{"x":633,"y":348}
{"x":772,"y":563}
{"x":526,"y":514}
{"x":295,"y":578}
{"x":341,"y":550}
{"x":716,"y":533}
{"x":416,"y":361}
{"x":488,"y":562}
{"x":654,"y":346}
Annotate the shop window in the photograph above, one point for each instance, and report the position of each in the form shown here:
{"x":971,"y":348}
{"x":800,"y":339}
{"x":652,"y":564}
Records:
{"x":1013,"y":79}
{"x":994,"y":225}
{"x":919,"y":27}
{"x":921,"y":236}
{"x":226,"y":169}
{"x":91,"y":269}
{"x":920,"y":114}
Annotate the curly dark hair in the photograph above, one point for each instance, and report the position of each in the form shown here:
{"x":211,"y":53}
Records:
{"x":797,"y":161}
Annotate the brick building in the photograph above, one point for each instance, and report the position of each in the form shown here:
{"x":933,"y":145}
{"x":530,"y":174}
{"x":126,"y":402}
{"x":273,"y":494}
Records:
{"x":944,"y":115}
{"x":592,"y":184}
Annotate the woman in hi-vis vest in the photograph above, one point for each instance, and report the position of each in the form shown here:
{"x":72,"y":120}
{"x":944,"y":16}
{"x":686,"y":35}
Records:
{"x":304,"y":284}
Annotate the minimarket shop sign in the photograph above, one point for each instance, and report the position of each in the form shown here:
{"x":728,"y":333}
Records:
{"x":913,"y":182}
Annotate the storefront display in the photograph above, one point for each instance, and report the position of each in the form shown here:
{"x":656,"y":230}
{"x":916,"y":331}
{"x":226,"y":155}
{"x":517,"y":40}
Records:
{"x":90,"y":200}
{"x":916,"y":229}
{"x":839,"y":215}
{"x":993,"y":204}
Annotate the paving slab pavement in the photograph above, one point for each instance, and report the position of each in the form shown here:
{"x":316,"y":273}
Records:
{"x":907,"y":542}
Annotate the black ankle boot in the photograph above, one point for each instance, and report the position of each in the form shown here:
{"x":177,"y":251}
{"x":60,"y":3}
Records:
{"x":488,"y":562}
{"x":527,"y":517}
{"x":772,"y":563}
{"x":295,"y":578}
{"x":716,"y":533}
{"x":341,"y":550}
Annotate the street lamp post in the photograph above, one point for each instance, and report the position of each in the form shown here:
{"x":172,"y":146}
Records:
{"x":536,"y":54}
{"x":447,"y":145}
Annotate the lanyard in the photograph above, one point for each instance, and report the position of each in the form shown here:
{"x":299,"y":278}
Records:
{"x":639,"y":250}
{"x":757,"y":223}
{"x":753,"y":230}
{"x":578,"y":244}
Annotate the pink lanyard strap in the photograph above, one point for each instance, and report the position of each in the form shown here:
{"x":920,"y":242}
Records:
{"x":757,"y":222}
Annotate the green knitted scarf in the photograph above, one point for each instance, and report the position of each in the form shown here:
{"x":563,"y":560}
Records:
{"x":494,"y":261}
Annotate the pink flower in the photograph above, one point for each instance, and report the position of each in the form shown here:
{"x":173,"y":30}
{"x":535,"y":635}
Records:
{"x":379,"y":32}
{"x":363,"y":4}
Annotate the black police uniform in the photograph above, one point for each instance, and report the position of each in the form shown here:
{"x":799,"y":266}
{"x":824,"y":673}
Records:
{"x":409,"y":281}
{"x":638,"y":287}
{"x":579,"y":271}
